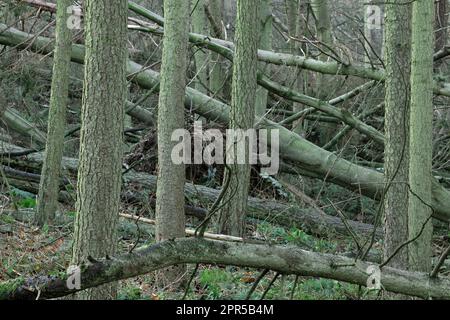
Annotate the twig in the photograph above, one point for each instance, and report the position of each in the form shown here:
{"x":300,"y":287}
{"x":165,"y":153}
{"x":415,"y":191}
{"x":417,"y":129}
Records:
{"x":270,"y":285}
{"x":255,"y":284}
{"x":188,"y":285}
{"x":439,"y":264}
{"x":200,"y":230}
{"x":294,"y":287}
{"x":189,"y":232}
{"x":303,"y":197}
{"x":347,"y":226}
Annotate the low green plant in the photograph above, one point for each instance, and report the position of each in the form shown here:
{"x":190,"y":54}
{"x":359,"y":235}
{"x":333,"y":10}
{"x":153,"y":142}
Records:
{"x":130,"y":293}
{"x":26,"y":203}
{"x":214,"y":281}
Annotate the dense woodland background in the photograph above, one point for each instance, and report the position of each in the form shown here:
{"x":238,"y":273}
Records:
{"x":358,"y":89}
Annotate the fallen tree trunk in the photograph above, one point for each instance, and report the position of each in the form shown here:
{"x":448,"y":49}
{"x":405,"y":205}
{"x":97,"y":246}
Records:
{"x":286,"y":59}
{"x":283,"y":259}
{"x":293,"y":148}
{"x":131,"y":108}
{"x":51,"y":7}
{"x":310,"y":219}
{"x":14,"y":121}
{"x":137,"y":187}
{"x":278,"y":58}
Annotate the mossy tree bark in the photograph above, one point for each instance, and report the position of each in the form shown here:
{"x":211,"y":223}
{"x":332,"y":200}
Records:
{"x":442,"y":20}
{"x":218,"y":74}
{"x":170,"y":219}
{"x":101,"y":138}
{"x":201,"y":56}
{"x":49,"y":185}
{"x":421,"y":125}
{"x":207,"y":20}
{"x":265,"y":43}
{"x":242,"y":114}
{"x":295,"y":9}
{"x":396,"y":150}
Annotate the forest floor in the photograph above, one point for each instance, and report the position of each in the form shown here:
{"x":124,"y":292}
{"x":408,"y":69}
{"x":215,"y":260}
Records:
{"x":26,"y":250}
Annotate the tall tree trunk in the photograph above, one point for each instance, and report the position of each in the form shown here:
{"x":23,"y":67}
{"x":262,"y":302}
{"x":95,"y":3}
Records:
{"x":396,"y":150}
{"x":321,"y":11}
{"x":265,"y":43}
{"x":291,"y":15}
{"x":294,"y":10}
{"x":217,"y":75}
{"x":373,"y":32}
{"x":323,"y":25}
{"x":201,"y":56}
{"x":441,"y":24}
{"x":170,"y":220}
{"x":49,"y":185}
{"x":421,"y":125}
{"x":101,"y":139}
{"x":242,"y":113}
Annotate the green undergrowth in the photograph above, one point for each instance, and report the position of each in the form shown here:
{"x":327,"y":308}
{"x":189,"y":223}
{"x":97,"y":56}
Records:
{"x":28,"y":251}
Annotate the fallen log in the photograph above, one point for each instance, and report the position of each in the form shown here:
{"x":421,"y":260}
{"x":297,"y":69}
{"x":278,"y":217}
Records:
{"x":44,"y":5}
{"x":137,"y":187}
{"x":282,"y":259}
{"x":286,"y":59}
{"x":287,"y":215}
